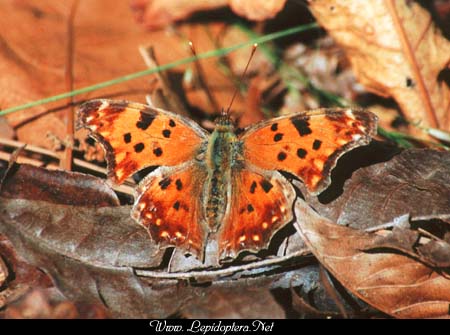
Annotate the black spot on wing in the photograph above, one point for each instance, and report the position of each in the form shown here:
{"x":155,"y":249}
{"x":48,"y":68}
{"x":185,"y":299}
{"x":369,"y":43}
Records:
{"x":281,"y":156}
{"x":127,"y":138}
{"x":176,"y":205}
{"x":316,"y":144}
{"x":278,"y":137}
{"x":301,"y":153}
{"x":139,"y":147}
{"x":301,"y":125}
{"x":172,"y":123}
{"x":266,"y":185}
{"x":274,"y":127}
{"x":166,"y":133}
{"x":253,"y":187}
{"x":179,"y":184}
{"x":145,"y":120}
{"x":164,"y":183}
{"x":250,"y":208}
{"x":158,"y":152}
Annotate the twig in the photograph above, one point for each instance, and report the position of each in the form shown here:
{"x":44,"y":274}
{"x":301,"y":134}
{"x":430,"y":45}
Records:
{"x":66,"y":160}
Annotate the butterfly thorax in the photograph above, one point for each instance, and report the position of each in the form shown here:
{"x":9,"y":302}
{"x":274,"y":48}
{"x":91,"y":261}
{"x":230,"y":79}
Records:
{"x":221,"y":159}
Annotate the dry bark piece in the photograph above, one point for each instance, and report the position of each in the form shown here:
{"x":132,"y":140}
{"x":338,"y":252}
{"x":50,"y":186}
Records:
{"x":396,"y":51}
{"x":393,"y":283}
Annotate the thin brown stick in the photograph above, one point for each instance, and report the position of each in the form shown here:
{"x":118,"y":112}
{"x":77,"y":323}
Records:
{"x":201,"y":79}
{"x":170,"y":99}
{"x":330,"y":289}
{"x":127,"y":187}
{"x":66,"y":160}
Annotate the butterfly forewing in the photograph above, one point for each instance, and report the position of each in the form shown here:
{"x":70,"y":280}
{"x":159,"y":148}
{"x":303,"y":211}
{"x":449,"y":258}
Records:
{"x":136,"y":136}
{"x":308,"y":144}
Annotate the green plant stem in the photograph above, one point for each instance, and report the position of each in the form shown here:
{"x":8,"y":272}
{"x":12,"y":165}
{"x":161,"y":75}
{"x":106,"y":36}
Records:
{"x":212,"y":53}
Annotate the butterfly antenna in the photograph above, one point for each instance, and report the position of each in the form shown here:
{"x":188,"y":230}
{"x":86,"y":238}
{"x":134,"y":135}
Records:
{"x":227,"y":112}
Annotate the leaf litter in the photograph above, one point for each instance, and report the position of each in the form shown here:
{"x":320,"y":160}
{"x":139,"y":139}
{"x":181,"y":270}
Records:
{"x":71,"y":225}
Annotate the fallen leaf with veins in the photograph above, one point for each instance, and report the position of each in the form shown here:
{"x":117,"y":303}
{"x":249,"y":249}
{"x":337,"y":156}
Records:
{"x":396,"y":51}
{"x":395,"y":284}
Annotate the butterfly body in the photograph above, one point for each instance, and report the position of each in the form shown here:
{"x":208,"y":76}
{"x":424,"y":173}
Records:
{"x":220,"y":187}
{"x":223,"y":158}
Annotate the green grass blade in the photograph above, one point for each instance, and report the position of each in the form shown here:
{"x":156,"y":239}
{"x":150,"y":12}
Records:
{"x":212,"y":53}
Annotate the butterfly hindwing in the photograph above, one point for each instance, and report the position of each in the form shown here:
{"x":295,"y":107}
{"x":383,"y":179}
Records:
{"x":261,"y":203}
{"x":308,"y":144}
{"x":136,"y":136}
{"x":169,"y":205}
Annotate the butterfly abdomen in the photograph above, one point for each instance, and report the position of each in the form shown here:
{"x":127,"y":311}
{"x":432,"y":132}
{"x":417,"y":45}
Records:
{"x":220,"y":160}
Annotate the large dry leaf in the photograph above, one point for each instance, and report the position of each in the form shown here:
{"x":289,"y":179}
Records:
{"x":415,"y":183}
{"x":33,"y":57}
{"x":393,"y":283}
{"x":106,"y":39}
{"x":100,"y":255}
{"x":396,"y":51}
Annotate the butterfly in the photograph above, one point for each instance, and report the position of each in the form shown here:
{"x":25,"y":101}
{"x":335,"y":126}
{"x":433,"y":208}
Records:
{"x":224,"y":185}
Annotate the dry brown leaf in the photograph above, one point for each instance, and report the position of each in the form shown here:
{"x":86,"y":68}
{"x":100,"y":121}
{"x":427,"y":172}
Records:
{"x":389,"y":190}
{"x":241,"y":303}
{"x":395,"y":50}
{"x":156,"y":14}
{"x":393,"y":283}
{"x":257,"y":10}
{"x":3,"y":272}
{"x":99,"y":255}
{"x":49,"y":304}
{"x":19,"y":277}
{"x":34,"y":57}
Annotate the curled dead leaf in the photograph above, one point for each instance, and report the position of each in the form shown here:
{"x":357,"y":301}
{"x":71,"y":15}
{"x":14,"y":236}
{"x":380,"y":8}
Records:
{"x":393,"y":283}
{"x":396,"y":51}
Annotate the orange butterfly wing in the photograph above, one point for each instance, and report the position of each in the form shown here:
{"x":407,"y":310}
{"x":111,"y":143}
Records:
{"x":168,"y":205}
{"x":261,"y":203}
{"x":308,"y":144}
{"x":136,"y":136}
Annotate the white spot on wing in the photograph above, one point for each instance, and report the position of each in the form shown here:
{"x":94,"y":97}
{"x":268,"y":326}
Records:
{"x":103,"y":106}
{"x":356,"y":137}
{"x":349,"y":114}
